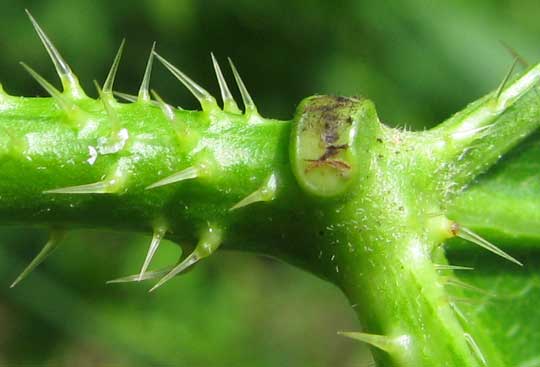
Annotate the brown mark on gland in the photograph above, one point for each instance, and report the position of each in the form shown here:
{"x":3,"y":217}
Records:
{"x":330,"y":120}
{"x":331,"y":151}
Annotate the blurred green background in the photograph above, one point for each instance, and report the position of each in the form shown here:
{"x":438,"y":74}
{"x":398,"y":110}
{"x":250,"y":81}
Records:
{"x":420,"y":61}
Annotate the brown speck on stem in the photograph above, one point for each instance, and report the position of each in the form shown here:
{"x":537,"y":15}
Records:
{"x":454,"y":229}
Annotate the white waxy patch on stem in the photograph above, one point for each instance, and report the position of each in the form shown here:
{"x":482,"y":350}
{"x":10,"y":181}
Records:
{"x":470,"y":236}
{"x":144,"y":90}
{"x":229,"y":104}
{"x":209,"y":242}
{"x":159,"y":232}
{"x":207,"y":101}
{"x":68,"y":78}
{"x":55,"y":238}
{"x":265,"y":193}
{"x":476,"y":133}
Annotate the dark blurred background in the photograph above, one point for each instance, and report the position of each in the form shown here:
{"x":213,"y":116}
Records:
{"x":420,"y":61}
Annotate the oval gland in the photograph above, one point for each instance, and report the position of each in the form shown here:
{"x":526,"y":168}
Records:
{"x":323,"y":153}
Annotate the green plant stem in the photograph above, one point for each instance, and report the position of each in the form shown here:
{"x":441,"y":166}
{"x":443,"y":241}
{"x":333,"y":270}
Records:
{"x":77,"y":162}
{"x":476,"y":137}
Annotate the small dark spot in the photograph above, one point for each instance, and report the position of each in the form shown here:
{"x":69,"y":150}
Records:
{"x":401,"y":208}
{"x":454,"y":229}
{"x":321,"y":233}
{"x":331,"y":136}
{"x":379,"y":140}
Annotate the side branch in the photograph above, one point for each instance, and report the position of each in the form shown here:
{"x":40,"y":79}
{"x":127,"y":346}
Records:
{"x":474,"y":139}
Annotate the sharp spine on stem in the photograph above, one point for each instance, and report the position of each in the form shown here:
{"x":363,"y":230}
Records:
{"x":106,"y":101}
{"x":475,"y":348}
{"x":156,"y":274}
{"x":144,"y":90}
{"x":467,"y":301}
{"x":505,"y":80}
{"x":113,"y":184}
{"x":207,"y":101}
{"x":209,"y":242}
{"x":470,"y":236}
{"x":250,"y":108}
{"x":132,"y":98}
{"x":55,"y":238}
{"x":382,"y":342}
{"x":515,"y":55}
{"x":458,"y":283}
{"x":126,"y":96}
{"x":267,"y":192}
{"x":100,"y":187}
{"x":229,"y":104}
{"x":186,"y":136}
{"x":458,"y":312}
{"x":159,"y":232}
{"x":204,"y":166}
{"x":451,"y":267}
{"x":186,"y":174}
{"x":167,"y":109}
{"x":65,"y":104}
{"x":109,"y":82}
{"x":69,"y":80}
